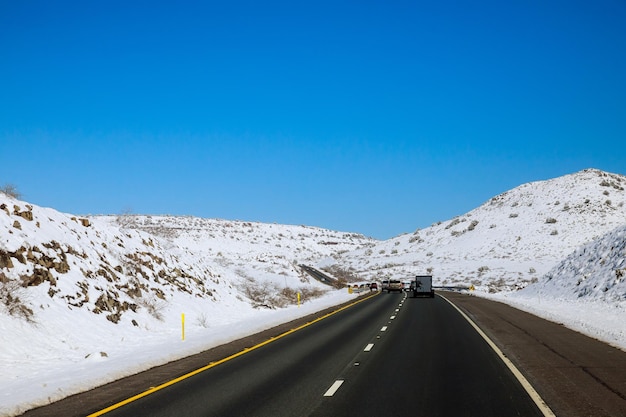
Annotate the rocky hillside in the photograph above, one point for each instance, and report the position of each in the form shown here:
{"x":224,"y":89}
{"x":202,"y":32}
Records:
{"x":114,"y":266}
{"x":506,"y":243}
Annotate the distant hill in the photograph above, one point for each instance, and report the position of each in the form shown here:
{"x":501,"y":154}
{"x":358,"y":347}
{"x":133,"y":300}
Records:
{"x":508,"y":242}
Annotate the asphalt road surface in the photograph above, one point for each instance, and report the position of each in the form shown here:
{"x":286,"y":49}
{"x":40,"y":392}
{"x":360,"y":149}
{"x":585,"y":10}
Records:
{"x":386,"y":356}
{"x":389,"y":356}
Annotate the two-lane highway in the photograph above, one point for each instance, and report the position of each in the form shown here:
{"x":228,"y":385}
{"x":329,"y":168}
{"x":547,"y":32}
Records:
{"x":387,"y":355}
{"x":430,"y":362}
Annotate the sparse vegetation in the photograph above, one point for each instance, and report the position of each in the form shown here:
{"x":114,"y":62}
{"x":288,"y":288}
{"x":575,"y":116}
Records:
{"x":153,"y":305}
{"x":12,"y":299}
{"x":202,"y":320}
{"x":270,"y":295}
{"x":482,"y":270}
{"x":343,"y":275}
{"x":454,"y":222}
{"x":11,"y":191}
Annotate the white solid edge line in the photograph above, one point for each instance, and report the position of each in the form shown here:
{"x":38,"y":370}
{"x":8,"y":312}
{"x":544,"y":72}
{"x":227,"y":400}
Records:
{"x":333,"y":388}
{"x":541,"y":404}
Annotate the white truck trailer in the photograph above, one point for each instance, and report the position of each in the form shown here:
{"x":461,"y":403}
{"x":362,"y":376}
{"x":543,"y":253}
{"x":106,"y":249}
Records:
{"x":422,"y":286}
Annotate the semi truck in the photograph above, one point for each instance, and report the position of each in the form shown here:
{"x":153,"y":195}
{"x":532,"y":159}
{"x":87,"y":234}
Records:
{"x":422,"y":286}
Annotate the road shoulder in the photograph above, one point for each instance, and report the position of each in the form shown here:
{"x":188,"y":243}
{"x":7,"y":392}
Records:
{"x":576,"y":375}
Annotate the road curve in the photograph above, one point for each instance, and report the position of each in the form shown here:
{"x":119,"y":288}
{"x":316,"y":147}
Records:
{"x":587,"y":381}
{"x":384,"y":356}
{"x":576,"y":375}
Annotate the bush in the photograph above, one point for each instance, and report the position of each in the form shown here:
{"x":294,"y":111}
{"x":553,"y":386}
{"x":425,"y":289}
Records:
{"x":11,"y":190}
{"x":472,"y":225}
{"x":153,"y":306}
{"x":270,"y":295}
{"x":12,"y":296}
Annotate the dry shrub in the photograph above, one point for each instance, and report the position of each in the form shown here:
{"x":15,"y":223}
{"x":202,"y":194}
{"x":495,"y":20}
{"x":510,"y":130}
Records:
{"x":12,"y":300}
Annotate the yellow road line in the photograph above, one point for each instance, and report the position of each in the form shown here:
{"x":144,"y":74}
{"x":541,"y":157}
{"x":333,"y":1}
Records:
{"x":219,"y":362}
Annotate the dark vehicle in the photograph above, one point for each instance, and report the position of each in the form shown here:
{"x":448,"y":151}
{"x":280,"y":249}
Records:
{"x":373,"y":286}
{"x":423,"y":286}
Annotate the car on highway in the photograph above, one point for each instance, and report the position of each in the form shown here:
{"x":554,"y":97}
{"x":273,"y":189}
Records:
{"x":395,"y":285}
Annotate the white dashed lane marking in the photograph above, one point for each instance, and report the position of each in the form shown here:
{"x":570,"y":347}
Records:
{"x":368,"y":347}
{"x":333,"y":388}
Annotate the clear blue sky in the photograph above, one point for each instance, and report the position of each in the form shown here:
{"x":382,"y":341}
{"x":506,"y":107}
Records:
{"x":377,"y":117}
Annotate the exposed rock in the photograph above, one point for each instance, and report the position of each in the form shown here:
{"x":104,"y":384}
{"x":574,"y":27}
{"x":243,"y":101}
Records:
{"x":38,"y":277}
{"x":5,"y":260}
{"x":28,"y":214}
{"x":61,"y":267}
{"x":19,"y":255}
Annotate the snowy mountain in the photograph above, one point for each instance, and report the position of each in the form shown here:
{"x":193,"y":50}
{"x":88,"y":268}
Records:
{"x":596,"y":270}
{"x":509,"y":241}
{"x":92,"y":294}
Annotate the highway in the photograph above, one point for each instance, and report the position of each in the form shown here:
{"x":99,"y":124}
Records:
{"x":385,"y":356}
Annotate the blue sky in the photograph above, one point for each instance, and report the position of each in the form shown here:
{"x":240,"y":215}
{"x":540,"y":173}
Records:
{"x":377,"y":117}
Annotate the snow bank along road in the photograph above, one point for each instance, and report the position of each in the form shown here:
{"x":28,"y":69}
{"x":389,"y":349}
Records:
{"x":386,"y":355}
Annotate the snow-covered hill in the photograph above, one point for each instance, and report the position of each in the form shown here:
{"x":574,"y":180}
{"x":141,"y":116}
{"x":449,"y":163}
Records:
{"x":586,"y":291}
{"x":506,"y":243}
{"x":596,"y":271}
{"x":93,"y":294}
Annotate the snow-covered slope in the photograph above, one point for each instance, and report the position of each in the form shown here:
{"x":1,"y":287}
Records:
{"x":509,"y":241}
{"x":90,"y":296}
{"x":595,"y":271}
{"x":586,"y":291}
{"x":265,"y":251}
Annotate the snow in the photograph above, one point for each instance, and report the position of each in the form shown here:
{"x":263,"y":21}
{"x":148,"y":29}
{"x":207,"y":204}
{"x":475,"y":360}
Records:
{"x":85,"y":300}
